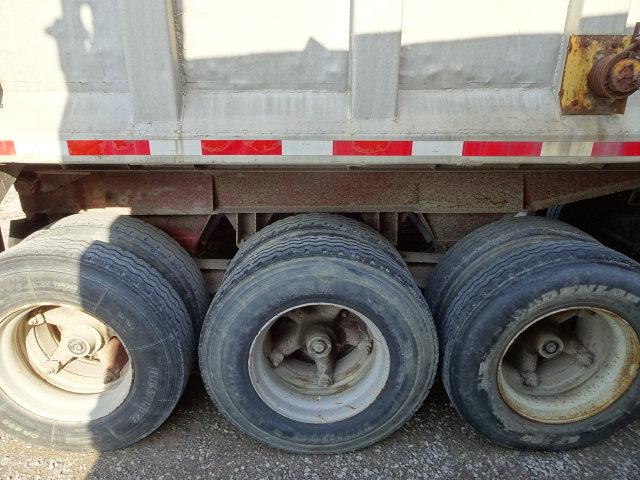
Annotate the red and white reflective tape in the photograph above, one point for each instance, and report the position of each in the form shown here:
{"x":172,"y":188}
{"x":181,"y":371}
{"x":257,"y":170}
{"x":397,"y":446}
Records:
{"x":337,"y":148}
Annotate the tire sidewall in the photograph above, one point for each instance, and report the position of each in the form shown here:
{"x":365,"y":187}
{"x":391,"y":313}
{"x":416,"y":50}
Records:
{"x":231,"y":327}
{"x":478,"y":346}
{"x":156,"y":358}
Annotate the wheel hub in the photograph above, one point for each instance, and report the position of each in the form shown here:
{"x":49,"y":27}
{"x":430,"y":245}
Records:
{"x":73,"y":350}
{"x":320,"y":358}
{"x":62,"y":363}
{"x":569,"y":365}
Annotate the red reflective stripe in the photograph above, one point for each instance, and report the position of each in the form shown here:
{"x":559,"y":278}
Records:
{"x":615,"y":149}
{"x":108,"y":147}
{"x":498,"y":149}
{"x":7,"y":147}
{"x":241,"y":147}
{"x":372,"y":147}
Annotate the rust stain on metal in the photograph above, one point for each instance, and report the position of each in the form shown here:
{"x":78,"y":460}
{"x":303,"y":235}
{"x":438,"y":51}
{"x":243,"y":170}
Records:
{"x":142,"y":193}
{"x":185,"y":229}
{"x":585,"y":51}
{"x":545,"y":189}
{"x":369,"y":191}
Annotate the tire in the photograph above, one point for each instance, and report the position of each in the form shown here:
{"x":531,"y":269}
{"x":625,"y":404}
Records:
{"x":495,"y":308}
{"x":149,"y":244}
{"x":124,"y":294}
{"x":318,"y":269}
{"x":482,"y":246}
{"x":318,"y":222}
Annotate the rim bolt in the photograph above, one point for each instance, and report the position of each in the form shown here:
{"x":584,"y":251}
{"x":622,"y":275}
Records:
{"x":36,"y":320}
{"x":365,"y":346}
{"x":585,"y":358}
{"x":276,"y":358}
{"x":324,"y":380}
{"x":51,"y":367}
{"x":530,"y":379}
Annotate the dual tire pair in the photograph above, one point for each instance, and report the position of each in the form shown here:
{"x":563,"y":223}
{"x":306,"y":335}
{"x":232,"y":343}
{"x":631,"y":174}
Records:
{"x":299,"y":275}
{"x":97,"y":331}
{"x":539,"y":326}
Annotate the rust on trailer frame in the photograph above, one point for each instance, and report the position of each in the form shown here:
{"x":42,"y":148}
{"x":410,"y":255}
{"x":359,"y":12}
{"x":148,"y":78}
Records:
{"x":207,"y":193}
{"x":437,"y":191}
{"x":145,"y":193}
{"x":185,"y":229}
{"x":546,"y":189}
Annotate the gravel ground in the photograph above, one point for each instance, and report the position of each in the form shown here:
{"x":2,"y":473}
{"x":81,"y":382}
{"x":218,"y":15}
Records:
{"x":197,"y":443}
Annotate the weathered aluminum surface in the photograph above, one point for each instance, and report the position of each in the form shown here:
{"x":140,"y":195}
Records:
{"x":297,"y":70}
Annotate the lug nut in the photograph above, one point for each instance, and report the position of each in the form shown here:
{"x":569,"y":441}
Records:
{"x":78,"y":347}
{"x":319,"y":346}
{"x":548,"y":344}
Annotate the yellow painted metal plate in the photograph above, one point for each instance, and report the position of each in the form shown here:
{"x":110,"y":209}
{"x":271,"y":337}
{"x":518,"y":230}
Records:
{"x":582,"y":53}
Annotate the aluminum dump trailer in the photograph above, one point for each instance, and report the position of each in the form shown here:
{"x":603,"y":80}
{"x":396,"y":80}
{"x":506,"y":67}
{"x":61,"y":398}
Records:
{"x":321,"y":205}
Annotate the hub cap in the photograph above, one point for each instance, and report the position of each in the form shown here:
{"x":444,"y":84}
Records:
{"x":319,"y":363}
{"x":569,"y":365}
{"x":62,"y":363}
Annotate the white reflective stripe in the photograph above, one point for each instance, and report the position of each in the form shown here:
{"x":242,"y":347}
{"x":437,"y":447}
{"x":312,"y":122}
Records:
{"x":163,"y":147}
{"x":449,"y":148}
{"x":175,"y":147}
{"x":41,"y":146}
{"x":305,"y":147}
{"x":566,"y":149}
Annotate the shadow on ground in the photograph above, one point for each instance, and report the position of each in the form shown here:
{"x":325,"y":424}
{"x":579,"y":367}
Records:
{"x":196,"y":442}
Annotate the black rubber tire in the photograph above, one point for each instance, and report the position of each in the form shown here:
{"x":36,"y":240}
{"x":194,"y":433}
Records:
{"x":318,"y":268}
{"x":497,"y":302}
{"x":318,"y":222}
{"x":136,"y":301}
{"x":482,"y":246}
{"x":149,"y":244}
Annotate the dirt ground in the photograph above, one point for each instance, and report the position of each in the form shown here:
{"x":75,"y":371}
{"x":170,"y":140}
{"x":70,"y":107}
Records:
{"x":197,"y":443}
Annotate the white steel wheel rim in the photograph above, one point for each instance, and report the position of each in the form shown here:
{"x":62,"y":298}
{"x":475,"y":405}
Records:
{"x":67,"y":396}
{"x":359,"y":376}
{"x":587,"y":390}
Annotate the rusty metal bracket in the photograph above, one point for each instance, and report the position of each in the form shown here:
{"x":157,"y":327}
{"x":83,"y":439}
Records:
{"x":247,"y":224}
{"x":384,"y":222}
{"x":583,"y":53}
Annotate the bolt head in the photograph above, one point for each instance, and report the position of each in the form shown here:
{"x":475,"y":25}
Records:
{"x":551,"y":347}
{"x":319,"y":346}
{"x":77,"y":347}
